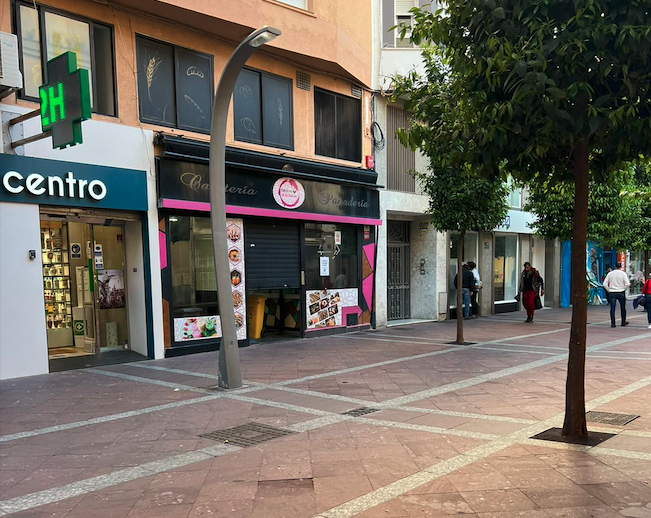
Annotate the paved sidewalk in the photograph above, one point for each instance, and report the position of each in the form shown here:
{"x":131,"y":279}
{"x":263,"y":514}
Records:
{"x":445,"y":431}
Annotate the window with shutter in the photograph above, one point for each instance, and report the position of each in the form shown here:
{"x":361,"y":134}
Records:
{"x":301,"y":4}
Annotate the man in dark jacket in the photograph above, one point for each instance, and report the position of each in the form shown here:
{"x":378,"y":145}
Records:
{"x":467,"y":283}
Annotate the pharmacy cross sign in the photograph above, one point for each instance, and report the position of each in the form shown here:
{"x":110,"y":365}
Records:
{"x":65,"y":100}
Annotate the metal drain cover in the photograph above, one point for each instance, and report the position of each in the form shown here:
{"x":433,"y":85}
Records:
{"x":358,"y":412}
{"x":554,"y":435}
{"x":610,"y":418}
{"x":248,"y":434}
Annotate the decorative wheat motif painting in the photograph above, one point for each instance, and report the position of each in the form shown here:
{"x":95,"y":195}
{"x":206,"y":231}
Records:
{"x":152,"y":66}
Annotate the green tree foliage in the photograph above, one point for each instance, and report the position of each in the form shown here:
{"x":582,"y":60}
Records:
{"x":459,"y":201}
{"x":541,"y":89}
{"x":614,"y":217}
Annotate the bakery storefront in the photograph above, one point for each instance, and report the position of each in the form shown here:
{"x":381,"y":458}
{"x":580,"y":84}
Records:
{"x":77,"y":234}
{"x":301,"y":239}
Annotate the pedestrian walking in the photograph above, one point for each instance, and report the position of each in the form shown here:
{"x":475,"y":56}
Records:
{"x":531,"y":287}
{"x":616,"y":283}
{"x":474,"y":292}
{"x":467,"y":283}
{"x":646,"y":291}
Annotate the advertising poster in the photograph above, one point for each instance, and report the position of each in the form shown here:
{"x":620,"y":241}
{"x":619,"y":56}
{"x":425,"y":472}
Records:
{"x":324,"y":307}
{"x":205,"y":327}
{"x":111,"y":289}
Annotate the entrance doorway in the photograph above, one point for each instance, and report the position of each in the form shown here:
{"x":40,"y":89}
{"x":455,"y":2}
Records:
{"x":84,"y":287}
{"x":399,"y":307}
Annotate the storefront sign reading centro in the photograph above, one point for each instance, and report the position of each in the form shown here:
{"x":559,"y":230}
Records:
{"x":38,"y":185}
{"x":52,"y":182}
{"x":288,"y":193}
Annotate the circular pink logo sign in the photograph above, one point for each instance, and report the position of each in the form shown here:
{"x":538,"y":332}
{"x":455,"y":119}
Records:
{"x":288,"y":193}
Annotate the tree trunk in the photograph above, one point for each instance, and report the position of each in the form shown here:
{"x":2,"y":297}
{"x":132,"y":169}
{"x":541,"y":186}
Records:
{"x":460,"y":243}
{"x":575,"y":424}
{"x":646,"y":265}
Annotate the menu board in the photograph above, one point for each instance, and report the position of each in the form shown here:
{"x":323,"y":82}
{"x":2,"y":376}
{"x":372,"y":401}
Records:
{"x":203,"y":327}
{"x":324,"y":307}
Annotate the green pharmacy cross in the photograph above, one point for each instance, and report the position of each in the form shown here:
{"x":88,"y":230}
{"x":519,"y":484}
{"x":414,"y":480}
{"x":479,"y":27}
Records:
{"x":65,"y":100}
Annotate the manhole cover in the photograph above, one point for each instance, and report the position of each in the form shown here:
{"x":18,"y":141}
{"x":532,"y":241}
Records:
{"x":358,"y":412}
{"x":554,"y":435}
{"x":248,"y":434}
{"x":610,"y":418}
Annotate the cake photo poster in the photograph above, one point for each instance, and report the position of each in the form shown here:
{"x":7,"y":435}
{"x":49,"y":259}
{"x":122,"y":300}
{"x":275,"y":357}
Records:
{"x":204,"y":327}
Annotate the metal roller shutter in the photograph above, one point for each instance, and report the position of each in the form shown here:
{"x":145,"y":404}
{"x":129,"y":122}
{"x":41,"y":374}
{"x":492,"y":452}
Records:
{"x":272,"y":255}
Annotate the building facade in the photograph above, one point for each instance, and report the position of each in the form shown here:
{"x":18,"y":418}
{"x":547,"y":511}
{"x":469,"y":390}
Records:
{"x":415,"y":263}
{"x":133,"y":270}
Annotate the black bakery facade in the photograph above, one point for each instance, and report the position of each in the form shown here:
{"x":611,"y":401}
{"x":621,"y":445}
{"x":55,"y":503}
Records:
{"x":301,"y":245}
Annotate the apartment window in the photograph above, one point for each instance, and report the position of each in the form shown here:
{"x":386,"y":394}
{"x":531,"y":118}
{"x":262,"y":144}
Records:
{"x":404,"y":18}
{"x":515,"y":194}
{"x":262,"y":109}
{"x":400,"y":159}
{"x":337,"y":126}
{"x":301,"y":4}
{"x":46,"y":33}
{"x":175,"y":85}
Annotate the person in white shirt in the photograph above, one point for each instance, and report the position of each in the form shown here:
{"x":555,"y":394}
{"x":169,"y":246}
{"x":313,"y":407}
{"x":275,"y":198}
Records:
{"x":616,"y":283}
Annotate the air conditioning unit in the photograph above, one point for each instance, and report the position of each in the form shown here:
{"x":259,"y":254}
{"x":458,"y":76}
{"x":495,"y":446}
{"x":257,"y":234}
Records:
{"x":10,"y":77}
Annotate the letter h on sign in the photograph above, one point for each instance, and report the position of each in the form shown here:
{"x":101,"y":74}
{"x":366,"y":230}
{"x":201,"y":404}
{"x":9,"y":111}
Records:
{"x":65,"y":100}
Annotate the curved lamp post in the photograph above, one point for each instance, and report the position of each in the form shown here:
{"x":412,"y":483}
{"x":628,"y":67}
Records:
{"x":230,"y":375}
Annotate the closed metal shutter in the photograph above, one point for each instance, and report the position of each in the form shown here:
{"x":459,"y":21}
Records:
{"x":272,"y":255}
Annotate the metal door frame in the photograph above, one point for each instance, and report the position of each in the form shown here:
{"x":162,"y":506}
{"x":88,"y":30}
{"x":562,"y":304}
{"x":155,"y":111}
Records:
{"x":398,"y":242}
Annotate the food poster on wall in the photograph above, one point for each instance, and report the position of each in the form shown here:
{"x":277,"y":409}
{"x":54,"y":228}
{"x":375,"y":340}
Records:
{"x":203,"y":327}
{"x":324,"y":307}
{"x":111,"y":289}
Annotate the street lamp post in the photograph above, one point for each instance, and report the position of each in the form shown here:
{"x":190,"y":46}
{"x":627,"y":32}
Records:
{"x":230,"y":374}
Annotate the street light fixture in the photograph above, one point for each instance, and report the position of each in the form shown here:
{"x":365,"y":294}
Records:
{"x":230,"y":374}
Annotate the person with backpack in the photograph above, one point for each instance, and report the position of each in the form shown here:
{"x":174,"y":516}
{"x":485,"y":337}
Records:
{"x":646,"y":291}
{"x":531,"y":287}
{"x":467,"y":283}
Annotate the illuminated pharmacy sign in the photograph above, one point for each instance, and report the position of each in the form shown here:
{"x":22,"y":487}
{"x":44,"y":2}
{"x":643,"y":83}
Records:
{"x":65,"y":100}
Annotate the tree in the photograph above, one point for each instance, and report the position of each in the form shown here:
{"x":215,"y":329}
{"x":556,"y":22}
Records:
{"x":613,"y":217}
{"x":459,"y":201}
{"x":546,"y":90}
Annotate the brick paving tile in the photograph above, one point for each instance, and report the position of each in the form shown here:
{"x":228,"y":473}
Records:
{"x":338,"y":461}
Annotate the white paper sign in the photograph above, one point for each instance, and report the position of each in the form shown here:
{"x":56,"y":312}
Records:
{"x":337,"y":237}
{"x":325,"y":266}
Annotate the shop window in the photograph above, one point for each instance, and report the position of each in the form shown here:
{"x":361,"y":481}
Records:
{"x":337,"y":126}
{"x":194,"y":287}
{"x":262,"y":109}
{"x":505,"y":265}
{"x":341,"y":260}
{"x":469,"y":254}
{"x":91,"y":42}
{"x":175,"y":85}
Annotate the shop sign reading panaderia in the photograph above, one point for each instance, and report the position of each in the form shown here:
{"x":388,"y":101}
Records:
{"x":52,"y":182}
{"x":188,"y":181}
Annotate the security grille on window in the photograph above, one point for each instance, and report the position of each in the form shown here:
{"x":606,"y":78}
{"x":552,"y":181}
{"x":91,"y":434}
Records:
{"x":337,"y":126}
{"x":175,"y":85}
{"x":46,"y":33}
{"x":262,"y":109}
{"x":301,"y":4}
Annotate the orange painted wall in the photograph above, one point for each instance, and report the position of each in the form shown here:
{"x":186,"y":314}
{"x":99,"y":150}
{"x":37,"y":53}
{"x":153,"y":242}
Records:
{"x":127,"y":24}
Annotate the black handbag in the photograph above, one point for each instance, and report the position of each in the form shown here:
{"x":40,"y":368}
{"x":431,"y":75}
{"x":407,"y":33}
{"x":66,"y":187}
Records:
{"x":538,"y":302}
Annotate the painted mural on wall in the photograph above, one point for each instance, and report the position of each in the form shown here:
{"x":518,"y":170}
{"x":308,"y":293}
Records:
{"x":325,"y":308}
{"x":204,"y":327}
